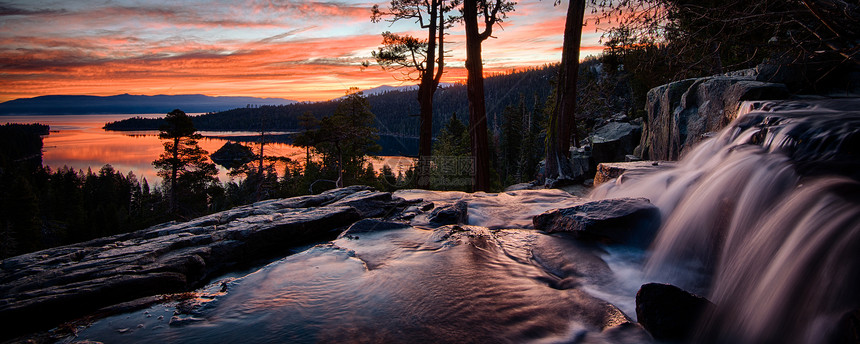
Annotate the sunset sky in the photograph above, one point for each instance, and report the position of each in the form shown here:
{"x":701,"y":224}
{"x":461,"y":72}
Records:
{"x":303,"y":50}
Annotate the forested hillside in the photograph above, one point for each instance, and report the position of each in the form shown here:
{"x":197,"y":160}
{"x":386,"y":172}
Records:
{"x":396,"y":111}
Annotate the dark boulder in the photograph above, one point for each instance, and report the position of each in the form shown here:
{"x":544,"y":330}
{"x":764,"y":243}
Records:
{"x":668,"y":312}
{"x":630,"y":221}
{"x":457,"y":213}
{"x":614,"y":141}
{"x":847,"y":329}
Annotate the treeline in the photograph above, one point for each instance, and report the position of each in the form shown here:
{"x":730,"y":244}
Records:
{"x":396,"y":111}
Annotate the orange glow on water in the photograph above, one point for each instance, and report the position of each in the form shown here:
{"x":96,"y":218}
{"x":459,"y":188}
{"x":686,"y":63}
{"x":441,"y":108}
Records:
{"x":79,"y":143}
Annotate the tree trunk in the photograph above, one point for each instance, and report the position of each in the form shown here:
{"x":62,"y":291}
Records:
{"x":339,"y":183}
{"x":563,"y":122}
{"x":174,"y":174}
{"x":425,"y":101}
{"x":475,"y":93}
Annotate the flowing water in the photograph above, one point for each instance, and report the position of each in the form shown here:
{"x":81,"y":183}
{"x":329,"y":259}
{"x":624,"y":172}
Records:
{"x":763,"y":219}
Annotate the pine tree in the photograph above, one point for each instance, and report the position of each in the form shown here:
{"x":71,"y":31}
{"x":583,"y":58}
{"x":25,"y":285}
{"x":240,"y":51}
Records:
{"x":184,"y":165}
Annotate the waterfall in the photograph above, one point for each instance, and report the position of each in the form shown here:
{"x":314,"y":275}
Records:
{"x":764,"y":219}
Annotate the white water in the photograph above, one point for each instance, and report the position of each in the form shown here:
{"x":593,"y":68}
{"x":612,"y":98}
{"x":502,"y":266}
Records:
{"x":756,"y":221}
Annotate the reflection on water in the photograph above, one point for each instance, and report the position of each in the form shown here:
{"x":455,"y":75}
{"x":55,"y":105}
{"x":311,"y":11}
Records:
{"x":444,"y":286}
{"x":452,"y":284}
{"x":79,"y":142}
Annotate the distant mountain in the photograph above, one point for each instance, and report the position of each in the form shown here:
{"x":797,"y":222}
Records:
{"x":130,"y":104}
{"x":387,"y":88}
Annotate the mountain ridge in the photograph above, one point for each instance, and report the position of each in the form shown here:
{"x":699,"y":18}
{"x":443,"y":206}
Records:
{"x":130,"y":104}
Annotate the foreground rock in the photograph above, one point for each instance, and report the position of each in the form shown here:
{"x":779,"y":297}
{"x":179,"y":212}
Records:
{"x":668,"y":312}
{"x":630,"y":221}
{"x":43,"y":288}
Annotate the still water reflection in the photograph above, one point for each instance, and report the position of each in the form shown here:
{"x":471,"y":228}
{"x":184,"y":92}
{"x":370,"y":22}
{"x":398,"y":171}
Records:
{"x":79,"y":142}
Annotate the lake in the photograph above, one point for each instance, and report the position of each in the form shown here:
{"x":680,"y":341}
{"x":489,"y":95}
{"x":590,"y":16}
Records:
{"x":78,"y":141}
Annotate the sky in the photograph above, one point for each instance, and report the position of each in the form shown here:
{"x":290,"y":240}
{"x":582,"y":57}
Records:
{"x":303,"y":50}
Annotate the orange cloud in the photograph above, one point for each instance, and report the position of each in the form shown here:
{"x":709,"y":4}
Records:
{"x":303,"y":50}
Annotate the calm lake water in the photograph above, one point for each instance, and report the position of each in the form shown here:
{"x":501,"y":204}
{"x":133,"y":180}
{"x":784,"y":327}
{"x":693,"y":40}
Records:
{"x":78,"y":141}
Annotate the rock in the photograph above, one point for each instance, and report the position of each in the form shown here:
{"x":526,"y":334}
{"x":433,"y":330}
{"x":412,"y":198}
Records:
{"x":630,"y":221}
{"x":370,"y":203}
{"x":613,"y":141}
{"x":41,"y":289}
{"x":454,"y":214}
{"x":682,"y":112}
{"x":608,"y":171}
{"x":847,"y":329}
{"x":668,"y":312}
{"x":581,"y":162}
{"x":370,"y":226}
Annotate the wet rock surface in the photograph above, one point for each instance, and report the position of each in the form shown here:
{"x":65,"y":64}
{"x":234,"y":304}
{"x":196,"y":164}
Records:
{"x":370,"y":226}
{"x":608,"y":171}
{"x":668,"y":312}
{"x":45,"y":287}
{"x":457,"y":213}
{"x":630,"y":221}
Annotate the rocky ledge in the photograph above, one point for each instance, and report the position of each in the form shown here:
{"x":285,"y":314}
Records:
{"x":47,"y":287}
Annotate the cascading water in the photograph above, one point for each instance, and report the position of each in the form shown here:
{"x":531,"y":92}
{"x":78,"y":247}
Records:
{"x":765,"y":219}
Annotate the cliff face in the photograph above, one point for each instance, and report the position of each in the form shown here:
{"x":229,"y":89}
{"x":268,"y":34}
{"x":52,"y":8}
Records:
{"x":682,"y":113}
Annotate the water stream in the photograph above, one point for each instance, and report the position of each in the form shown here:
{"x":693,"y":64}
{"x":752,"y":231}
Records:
{"x":764,"y":219}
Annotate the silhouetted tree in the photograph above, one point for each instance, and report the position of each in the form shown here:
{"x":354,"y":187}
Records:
{"x":817,"y":39}
{"x":492,"y":12}
{"x":183,"y":165}
{"x":562,"y":121}
{"x":424,"y":56}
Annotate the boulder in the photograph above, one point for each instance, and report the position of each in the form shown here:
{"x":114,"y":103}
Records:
{"x":668,"y":312}
{"x":40,"y":289}
{"x":613,"y":141}
{"x":629,"y":221}
{"x":682,"y":112}
{"x":370,"y":203}
{"x":847,"y":329}
{"x":581,"y":162}
{"x":607,"y":171}
{"x":455,"y":214}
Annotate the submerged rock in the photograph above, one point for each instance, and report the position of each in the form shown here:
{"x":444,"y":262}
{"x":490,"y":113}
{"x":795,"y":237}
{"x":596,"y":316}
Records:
{"x":631,"y":221}
{"x":42,"y":288}
{"x":457,"y":213}
{"x":668,"y":312}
